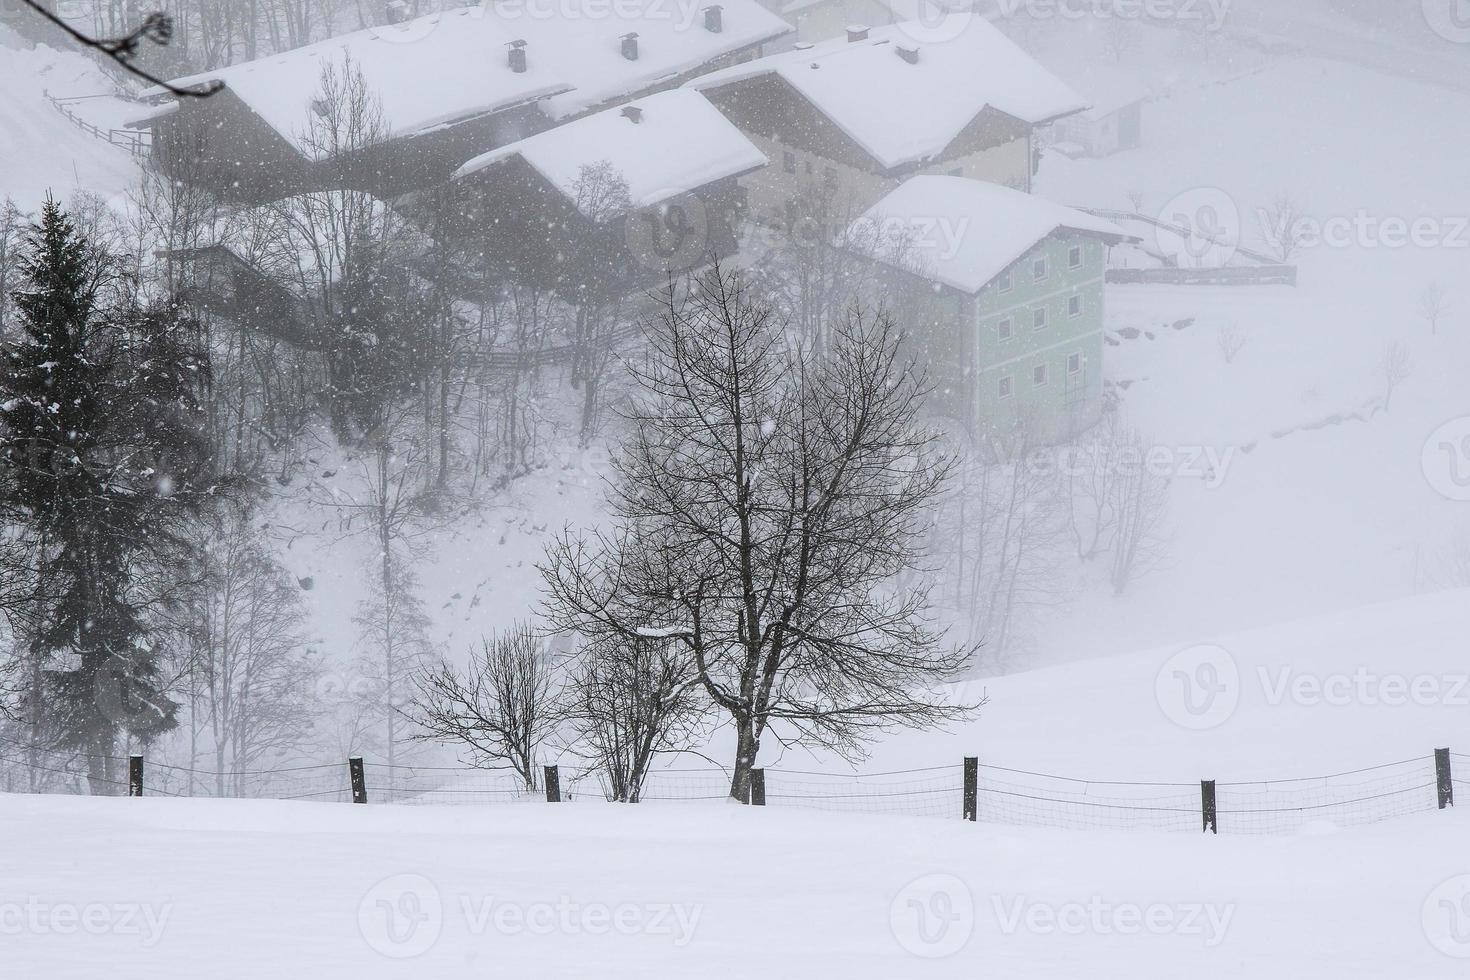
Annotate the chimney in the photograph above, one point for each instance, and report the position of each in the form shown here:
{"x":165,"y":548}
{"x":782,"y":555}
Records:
{"x":630,"y":46}
{"x":856,"y":32}
{"x":633,"y":114}
{"x":908,"y":53}
{"x":516,"y":55}
{"x":714,"y":19}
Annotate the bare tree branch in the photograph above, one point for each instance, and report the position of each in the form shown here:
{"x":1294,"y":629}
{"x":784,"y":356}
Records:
{"x":156,"y":27}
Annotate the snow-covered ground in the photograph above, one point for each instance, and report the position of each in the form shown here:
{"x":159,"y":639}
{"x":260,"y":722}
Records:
{"x":41,"y":151}
{"x":164,"y":889}
{"x":1318,"y":520}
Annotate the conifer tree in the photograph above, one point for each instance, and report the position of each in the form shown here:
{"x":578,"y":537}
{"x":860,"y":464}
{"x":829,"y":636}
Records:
{"x":102,"y":443}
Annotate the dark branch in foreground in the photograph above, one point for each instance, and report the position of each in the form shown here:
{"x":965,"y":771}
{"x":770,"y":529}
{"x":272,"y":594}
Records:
{"x":156,"y":27}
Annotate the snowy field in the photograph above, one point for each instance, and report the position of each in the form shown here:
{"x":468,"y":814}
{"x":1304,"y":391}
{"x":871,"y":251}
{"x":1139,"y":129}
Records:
{"x":161,"y":890}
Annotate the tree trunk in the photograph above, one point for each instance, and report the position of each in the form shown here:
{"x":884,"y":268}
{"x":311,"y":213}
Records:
{"x":747,"y":745}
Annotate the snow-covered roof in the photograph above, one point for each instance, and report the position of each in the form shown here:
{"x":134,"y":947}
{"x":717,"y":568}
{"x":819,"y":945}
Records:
{"x":964,"y":233}
{"x":680,"y":142}
{"x":904,"y":112}
{"x":448,"y":67}
{"x":1108,"y":88}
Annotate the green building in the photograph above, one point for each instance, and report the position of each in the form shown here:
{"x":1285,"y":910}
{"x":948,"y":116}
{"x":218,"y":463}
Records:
{"x":1005,"y":293}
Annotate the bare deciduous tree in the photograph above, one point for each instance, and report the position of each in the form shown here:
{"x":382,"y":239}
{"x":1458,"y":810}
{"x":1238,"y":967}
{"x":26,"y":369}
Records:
{"x":1434,"y":303}
{"x":767,"y":501}
{"x":13,"y":223}
{"x":1231,"y":341}
{"x":629,"y":701}
{"x":1283,"y":227}
{"x":251,"y":679}
{"x":500,"y":708}
{"x":1396,"y":367}
{"x":1141,"y":503}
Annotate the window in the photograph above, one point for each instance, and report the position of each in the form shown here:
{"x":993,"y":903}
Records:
{"x":1074,"y":306}
{"x":829,"y":176}
{"x":1039,"y":376}
{"x":1038,"y":318}
{"x":957,"y":172}
{"x":1003,"y":330}
{"x":1005,"y":282}
{"x":1038,"y":269}
{"x":1074,"y":257}
{"x":809,"y":168}
{"x":788,"y":161}
{"x":1006,"y":387}
{"x":1074,"y":363}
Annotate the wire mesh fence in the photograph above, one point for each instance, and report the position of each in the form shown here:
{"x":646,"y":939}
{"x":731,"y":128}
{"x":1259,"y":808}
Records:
{"x":1030,"y":799}
{"x":987,"y":793}
{"x":1347,"y":799}
{"x":913,"y":792}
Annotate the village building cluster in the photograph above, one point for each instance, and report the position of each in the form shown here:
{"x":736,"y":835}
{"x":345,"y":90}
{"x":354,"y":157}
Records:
{"x":609,"y":152}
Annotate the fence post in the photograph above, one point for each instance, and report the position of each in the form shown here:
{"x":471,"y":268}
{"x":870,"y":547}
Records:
{"x":1207,"y":806}
{"x":1444,"y":778}
{"x":972,"y":788}
{"x":359,"y":779}
{"x":135,"y":775}
{"x":757,"y":787}
{"x":553,"y":784}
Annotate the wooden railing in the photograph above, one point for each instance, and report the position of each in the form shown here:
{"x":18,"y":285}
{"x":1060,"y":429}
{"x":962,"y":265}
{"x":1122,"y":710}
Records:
{"x":137,"y":142}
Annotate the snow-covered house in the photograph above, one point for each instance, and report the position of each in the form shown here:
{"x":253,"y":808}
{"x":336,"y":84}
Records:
{"x":857,"y":115}
{"x":613,"y":201}
{"x":445,"y":88}
{"x":1112,"y":123}
{"x":822,"y":20}
{"x":1015,"y":286}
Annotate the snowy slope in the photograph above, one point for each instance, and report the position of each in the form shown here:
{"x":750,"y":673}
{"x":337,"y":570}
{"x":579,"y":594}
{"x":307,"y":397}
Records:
{"x":1125,"y":717}
{"x":227,"y":889}
{"x":40,"y":150}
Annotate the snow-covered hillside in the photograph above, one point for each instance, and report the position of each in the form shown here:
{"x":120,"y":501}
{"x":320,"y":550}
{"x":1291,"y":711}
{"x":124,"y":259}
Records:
{"x":41,"y":151}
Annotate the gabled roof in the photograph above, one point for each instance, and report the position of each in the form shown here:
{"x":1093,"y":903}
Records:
{"x":449,"y":67}
{"x":964,"y":233}
{"x":901,"y":112}
{"x":680,"y":143}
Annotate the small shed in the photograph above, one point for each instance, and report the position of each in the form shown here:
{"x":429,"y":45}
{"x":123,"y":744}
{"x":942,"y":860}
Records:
{"x":1113,"y":123}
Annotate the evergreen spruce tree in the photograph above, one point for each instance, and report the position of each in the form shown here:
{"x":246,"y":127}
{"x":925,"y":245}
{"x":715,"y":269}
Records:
{"x":101,"y":439}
